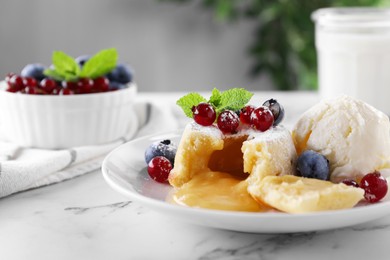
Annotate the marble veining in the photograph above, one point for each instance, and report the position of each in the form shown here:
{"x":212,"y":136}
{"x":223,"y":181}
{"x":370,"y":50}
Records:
{"x":113,"y":207}
{"x":370,"y":228}
{"x":268,"y":246}
{"x":262,"y":246}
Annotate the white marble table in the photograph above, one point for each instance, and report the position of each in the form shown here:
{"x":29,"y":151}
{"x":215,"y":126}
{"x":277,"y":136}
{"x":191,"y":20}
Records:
{"x":84,"y":218}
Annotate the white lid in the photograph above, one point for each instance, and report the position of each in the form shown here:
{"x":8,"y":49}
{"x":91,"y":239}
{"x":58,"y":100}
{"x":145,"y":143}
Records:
{"x":353,"y":19}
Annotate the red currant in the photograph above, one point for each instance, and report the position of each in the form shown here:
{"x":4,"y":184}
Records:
{"x":228,"y":121}
{"x":204,"y":114}
{"x":351,"y":183}
{"x":8,"y":77}
{"x":101,"y":84}
{"x":69,"y":84}
{"x":159,"y":168}
{"x":66,"y":91}
{"x":11,"y":89}
{"x":262,"y":118}
{"x":30,"y":90}
{"x":375,"y":187}
{"x":56,"y":91}
{"x":30,"y":82}
{"x":48,"y":85}
{"x":85,"y":85}
{"x":245,"y":115}
{"x":16,"y":82}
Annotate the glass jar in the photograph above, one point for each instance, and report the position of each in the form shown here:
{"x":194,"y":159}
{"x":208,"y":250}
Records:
{"x":353,"y":51}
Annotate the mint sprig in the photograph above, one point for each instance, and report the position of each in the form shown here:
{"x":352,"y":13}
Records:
{"x":100,"y":64}
{"x":188,"y":101}
{"x":52,"y":73}
{"x":233,"y":99}
{"x":66,"y":68}
{"x":215,"y":98}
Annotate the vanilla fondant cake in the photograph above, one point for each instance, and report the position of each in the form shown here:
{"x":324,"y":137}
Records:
{"x":205,"y":154}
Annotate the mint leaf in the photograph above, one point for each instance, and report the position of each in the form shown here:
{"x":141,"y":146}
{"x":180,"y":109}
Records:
{"x":100,"y":64}
{"x":234,"y":99}
{"x":65,"y":65}
{"x":53,"y":74}
{"x":66,"y":68}
{"x":215,"y":98}
{"x":188,"y":101}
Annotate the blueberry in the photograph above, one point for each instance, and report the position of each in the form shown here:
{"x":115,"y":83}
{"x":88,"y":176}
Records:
{"x":311,"y":164}
{"x":117,"y":85}
{"x":33,"y":71}
{"x":163,"y":148}
{"x":122,"y":74}
{"x":81,"y":60}
{"x":276,"y":109}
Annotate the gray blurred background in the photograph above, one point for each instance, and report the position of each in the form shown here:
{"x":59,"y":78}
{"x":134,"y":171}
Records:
{"x":171,"y":47}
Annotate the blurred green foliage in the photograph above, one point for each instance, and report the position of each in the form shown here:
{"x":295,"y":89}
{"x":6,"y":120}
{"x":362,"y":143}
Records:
{"x":283,"y":45}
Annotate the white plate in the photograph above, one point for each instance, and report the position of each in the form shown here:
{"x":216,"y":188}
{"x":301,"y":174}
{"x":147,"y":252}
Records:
{"x":124,"y":169}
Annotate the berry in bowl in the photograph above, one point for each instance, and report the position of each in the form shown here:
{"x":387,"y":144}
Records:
{"x":84,"y":101}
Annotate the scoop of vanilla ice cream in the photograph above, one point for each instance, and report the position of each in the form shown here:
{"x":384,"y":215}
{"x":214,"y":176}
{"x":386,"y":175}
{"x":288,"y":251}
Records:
{"x":352,"y":135}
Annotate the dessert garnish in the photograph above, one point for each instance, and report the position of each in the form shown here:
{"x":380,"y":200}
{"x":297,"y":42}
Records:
{"x":160,"y":158}
{"x":228,"y":109}
{"x":204,"y":114}
{"x":262,"y":118}
{"x":233,"y":99}
{"x":276,"y":109}
{"x":245,"y":114}
{"x":159,"y":168}
{"x":228,"y":122}
{"x":374,"y":186}
{"x":67,"y":76}
{"x":66,"y":68}
{"x":161,"y":148}
{"x":311,"y":164}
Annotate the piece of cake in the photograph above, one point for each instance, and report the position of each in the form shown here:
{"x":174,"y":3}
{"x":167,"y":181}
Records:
{"x":269,"y":153}
{"x":213,"y":161}
{"x":295,"y":194}
{"x":211,"y":168}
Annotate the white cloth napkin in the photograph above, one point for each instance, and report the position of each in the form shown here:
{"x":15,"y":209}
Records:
{"x":26,"y":168}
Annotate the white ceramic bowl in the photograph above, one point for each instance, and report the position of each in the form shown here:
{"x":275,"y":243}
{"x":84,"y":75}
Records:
{"x":55,"y":122}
